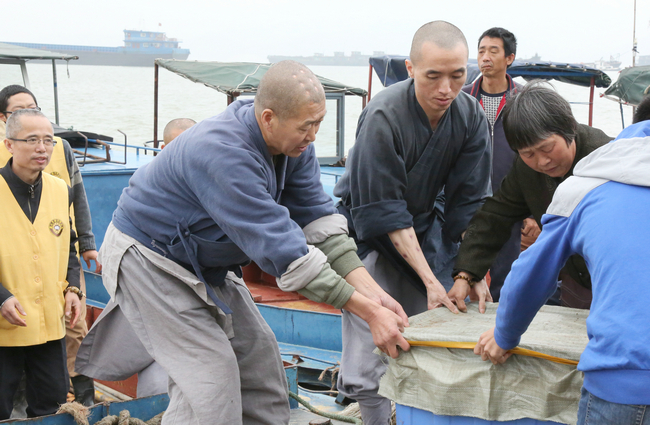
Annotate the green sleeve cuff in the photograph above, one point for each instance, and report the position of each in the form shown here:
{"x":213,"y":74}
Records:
{"x":341,"y":252}
{"x":328,"y":287}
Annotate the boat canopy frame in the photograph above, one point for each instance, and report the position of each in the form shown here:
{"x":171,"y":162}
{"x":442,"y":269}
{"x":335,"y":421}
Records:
{"x":18,"y":55}
{"x":391,"y":69}
{"x":235,"y":79}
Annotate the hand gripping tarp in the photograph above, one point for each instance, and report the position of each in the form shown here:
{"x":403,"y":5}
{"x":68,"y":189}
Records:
{"x":456,"y":382}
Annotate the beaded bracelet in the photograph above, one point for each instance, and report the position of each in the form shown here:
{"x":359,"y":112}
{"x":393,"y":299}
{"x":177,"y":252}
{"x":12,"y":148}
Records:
{"x":75,"y":290}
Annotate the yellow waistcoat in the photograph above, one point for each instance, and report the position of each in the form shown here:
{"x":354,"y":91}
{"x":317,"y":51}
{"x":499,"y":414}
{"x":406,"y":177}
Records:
{"x":57,"y":167}
{"x":34,"y":263}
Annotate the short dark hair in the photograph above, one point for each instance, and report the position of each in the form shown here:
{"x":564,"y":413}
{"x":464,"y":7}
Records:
{"x":14,"y":123}
{"x":508,"y":38}
{"x":12,"y":90}
{"x":536,"y":113}
{"x":643,"y":110}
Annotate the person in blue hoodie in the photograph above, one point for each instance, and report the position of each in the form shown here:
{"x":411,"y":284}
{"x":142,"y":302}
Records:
{"x":243,"y":185}
{"x":601,"y":213}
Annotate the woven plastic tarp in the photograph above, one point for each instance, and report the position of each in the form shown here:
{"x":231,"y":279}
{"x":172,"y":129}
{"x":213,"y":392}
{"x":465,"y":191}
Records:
{"x":456,"y":382}
{"x":239,"y":77}
{"x":632,"y":85}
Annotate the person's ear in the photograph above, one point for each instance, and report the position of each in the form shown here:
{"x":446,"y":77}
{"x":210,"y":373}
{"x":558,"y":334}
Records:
{"x":268,"y":119}
{"x":409,"y":67}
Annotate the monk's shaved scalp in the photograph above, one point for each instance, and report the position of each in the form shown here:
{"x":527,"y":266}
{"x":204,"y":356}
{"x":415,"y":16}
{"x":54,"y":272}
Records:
{"x":176,"y":127}
{"x":286,"y":87}
{"x":443,"y":34}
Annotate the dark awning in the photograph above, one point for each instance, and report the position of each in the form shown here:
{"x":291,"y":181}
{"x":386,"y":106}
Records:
{"x":232,"y":78}
{"x":576,"y":74}
{"x":391,"y":69}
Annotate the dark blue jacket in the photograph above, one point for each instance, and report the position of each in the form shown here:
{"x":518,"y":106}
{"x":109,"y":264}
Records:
{"x":502,"y":155}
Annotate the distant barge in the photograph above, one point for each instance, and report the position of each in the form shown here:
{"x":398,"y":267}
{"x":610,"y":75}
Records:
{"x":140,"y":48}
{"x":339,"y":59}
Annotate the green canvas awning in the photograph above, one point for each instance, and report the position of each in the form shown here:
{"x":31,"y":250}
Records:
{"x":232,"y":78}
{"x":631,"y":86}
{"x":11,"y":51}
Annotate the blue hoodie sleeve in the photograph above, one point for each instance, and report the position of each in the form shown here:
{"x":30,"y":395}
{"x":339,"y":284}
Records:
{"x":532,"y":280}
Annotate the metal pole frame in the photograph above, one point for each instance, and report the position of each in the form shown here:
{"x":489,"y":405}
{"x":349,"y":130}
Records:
{"x":56,"y":93}
{"x":369,"y":85}
{"x":155,"y":106}
{"x":591,"y":100}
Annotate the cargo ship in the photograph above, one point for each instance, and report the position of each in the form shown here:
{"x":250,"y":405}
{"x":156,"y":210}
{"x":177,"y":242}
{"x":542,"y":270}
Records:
{"x":140,"y":48}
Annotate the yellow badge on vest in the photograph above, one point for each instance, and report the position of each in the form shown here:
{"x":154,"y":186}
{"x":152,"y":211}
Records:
{"x":56,"y":174}
{"x":56,"y":227}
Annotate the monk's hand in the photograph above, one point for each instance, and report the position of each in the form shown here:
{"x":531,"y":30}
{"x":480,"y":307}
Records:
{"x":368,"y":287}
{"x":389,"y":302}
{"x":72,"y":307}
{"x":12,"y":310}
{"x":480,"y":292}
{"x":386,"y":328}
{"x":437,"y":296}
{"x":488,"y":349}
{"x":89,"y":255}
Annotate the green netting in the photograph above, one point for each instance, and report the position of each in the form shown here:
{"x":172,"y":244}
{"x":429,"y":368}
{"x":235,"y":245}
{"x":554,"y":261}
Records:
{"x":631,"y":86}
{"x":238,"y":77}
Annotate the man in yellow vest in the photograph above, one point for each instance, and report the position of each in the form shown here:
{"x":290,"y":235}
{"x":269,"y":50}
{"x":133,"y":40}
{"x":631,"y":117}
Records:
{"x":64,"y":166}
{"x":39,"y":270}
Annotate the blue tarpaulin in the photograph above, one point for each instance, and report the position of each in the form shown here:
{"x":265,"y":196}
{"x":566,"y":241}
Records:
{"x":392,"y":69}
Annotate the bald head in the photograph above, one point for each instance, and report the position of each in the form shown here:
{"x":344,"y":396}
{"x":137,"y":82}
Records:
{"x":441,"y":33}
{"x":287,"y":87}
{"x":175,"y":127}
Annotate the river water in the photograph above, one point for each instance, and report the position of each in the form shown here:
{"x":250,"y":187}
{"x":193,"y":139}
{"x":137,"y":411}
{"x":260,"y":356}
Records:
{"x":104,"y":99}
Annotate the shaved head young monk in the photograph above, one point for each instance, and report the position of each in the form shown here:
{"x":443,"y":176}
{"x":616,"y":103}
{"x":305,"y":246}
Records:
{"x":246,"y":188}
{"x":414,"y":138}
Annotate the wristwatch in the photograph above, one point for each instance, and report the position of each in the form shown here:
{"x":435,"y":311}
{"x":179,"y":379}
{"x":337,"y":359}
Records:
{"x":74,"y":289}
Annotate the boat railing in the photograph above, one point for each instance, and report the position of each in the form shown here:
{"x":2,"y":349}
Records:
{"x":337,"y":176}
{"x":83,"y":157}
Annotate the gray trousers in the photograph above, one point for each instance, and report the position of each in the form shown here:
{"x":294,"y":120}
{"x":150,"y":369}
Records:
{"x":222,"y":369}
{"x":361,"y":369}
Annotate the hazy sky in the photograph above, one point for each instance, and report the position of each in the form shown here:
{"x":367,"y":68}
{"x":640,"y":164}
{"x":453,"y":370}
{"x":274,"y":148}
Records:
{"x":558,"y":30}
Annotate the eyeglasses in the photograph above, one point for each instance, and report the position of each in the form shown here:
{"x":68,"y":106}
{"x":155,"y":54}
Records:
{"x":33,"y":141}
{"x":36,"y":108}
